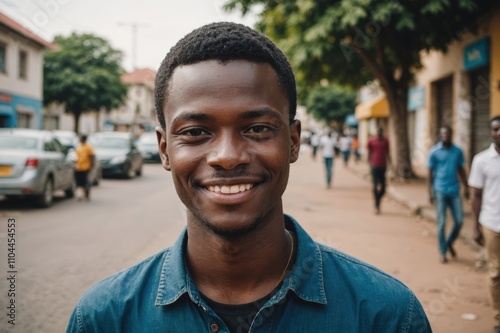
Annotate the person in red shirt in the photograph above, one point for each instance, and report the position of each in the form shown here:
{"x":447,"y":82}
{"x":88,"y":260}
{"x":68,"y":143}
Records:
{"x":378,"y":156}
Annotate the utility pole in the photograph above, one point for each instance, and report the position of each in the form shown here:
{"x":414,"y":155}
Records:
{"x":134,"y":26}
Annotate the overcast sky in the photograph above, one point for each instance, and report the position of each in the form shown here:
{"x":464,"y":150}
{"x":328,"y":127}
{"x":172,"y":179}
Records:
{"x":160,"y":23}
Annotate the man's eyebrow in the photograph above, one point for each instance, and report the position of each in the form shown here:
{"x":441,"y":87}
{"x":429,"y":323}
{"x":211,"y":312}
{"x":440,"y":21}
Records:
{"x":192,"y":116}
{"x":261,"y":113}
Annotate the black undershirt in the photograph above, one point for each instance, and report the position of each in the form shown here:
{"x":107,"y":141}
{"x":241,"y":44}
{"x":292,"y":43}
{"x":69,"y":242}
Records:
{"x":238,"y":317}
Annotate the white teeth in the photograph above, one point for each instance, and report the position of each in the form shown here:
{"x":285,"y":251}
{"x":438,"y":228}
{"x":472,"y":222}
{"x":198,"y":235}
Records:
{"x":225,"y":189}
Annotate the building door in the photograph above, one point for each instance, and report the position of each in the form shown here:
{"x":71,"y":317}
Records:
{"x":444,"y":102}
{"x":3,"y":121}
{"x":480,"y":102}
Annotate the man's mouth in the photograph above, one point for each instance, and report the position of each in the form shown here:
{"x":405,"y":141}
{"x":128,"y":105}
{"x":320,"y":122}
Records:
{"x":230,"y":189}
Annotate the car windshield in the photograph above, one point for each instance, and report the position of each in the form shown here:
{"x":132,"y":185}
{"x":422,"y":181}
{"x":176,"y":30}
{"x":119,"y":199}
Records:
{"x":110,"y":143}
{"x":67,"y":140}
{"x":17,"y":142}
{"x":147,"y":139}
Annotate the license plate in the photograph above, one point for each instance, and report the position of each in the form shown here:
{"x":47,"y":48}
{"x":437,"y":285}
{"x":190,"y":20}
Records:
{"x":5,"y":170}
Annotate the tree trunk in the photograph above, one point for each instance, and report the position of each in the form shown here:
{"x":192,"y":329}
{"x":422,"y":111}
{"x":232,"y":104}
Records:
{"x":76,"y":117}
{"x":398,"y":123}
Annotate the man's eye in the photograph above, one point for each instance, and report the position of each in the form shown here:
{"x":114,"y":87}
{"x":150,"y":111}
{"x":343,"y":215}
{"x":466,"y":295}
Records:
{"x":258,"y":129}
{"x":194,"y":132}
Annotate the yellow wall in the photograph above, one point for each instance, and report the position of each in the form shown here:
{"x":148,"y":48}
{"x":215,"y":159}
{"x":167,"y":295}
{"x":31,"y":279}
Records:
{"x":495,"y":64}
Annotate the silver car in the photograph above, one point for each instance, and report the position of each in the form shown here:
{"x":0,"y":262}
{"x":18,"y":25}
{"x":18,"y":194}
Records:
{"x":33,"y":163}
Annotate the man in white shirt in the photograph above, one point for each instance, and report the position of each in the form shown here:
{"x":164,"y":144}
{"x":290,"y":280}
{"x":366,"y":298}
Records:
{"x":328,"y":144}
{"x":484,"y":179}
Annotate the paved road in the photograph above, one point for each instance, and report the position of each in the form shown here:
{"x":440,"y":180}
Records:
{"x":64,"y":250}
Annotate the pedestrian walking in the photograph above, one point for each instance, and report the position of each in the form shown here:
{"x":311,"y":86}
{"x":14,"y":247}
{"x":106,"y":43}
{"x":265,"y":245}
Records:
{"x":484,"y":179}
{"x":315,"y":141}
{"x":345,"y":147}
{"x":378,"y":157}
{"x":355,"y":148}
{"x":225,"y":97}
{"x":328,"y":144}
{"x":84,"y":163}
{"x":446,"y":163}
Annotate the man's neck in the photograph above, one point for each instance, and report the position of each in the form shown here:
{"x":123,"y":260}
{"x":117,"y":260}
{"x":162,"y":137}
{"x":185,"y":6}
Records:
{"x":239,"y":270}
{"x":497,"y":148}
{"x":447,"y":144}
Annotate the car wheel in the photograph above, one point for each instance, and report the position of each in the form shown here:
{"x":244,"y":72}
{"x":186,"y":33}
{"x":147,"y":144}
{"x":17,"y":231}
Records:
{"x":70,"y":192}
{"x":128,"y":172}
{"x":47,"y":197}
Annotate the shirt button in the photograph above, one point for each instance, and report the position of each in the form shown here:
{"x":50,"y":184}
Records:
{"x":214,"y":327}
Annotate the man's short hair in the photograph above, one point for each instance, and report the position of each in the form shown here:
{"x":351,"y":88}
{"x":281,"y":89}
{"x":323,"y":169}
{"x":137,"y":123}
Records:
{"x":83,"y":138}
{"x":224,"y":41}
{"x":496,"y":118}
{"x":448,"y":128}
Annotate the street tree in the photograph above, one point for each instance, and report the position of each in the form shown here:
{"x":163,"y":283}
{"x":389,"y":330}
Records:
{"x":83,"y":73}
{"x":356,"y":41}
{"x":331,"y":103}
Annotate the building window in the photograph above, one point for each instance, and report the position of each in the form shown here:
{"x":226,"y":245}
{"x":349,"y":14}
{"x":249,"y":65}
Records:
{"x":24,"y":120}
{"x":3,"y":66}
{"x":23,"y":64}
{"x":51,"y":122}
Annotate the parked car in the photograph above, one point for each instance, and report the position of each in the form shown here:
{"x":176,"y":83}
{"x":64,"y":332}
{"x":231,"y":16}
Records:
{"x":70,"y":140}
{"x":33,"y":163}
{"x":118,"y":154}
{"x":148,"y":146}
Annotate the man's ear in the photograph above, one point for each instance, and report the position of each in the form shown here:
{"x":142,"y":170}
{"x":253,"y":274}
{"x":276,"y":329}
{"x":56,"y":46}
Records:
{"x":162,"y":147}
{"x":295,"y":129}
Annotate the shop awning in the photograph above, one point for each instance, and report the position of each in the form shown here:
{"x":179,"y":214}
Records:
{"x":375,"y":108}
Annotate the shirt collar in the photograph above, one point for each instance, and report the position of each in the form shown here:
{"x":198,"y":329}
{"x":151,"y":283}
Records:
{"x":441,"y":145}
{"x":492,"y":152}
{"x":305,"y":278}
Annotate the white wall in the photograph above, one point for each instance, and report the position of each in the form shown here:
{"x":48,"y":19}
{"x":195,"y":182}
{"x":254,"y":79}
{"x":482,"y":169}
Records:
{"x":10,"y":81}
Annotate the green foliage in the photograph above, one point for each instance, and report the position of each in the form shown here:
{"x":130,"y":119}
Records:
{"x":351,"y":42}
{"x":354,"y":41}
{"x":331,"y":103}
{"x":83,"y":73}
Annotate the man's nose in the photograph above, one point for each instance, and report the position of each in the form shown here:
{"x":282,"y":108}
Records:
{"x":229,"y":150}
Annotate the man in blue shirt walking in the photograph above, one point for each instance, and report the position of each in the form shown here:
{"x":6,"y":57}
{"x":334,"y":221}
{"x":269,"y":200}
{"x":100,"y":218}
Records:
{"x":446,"y":163}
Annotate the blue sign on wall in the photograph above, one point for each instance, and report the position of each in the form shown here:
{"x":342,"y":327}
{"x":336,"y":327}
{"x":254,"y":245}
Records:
{"x":477,"y":54}
{"x":416,"y":98}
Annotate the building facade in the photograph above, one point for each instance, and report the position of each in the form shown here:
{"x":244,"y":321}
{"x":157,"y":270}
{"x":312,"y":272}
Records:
{"x":138,"y":113}
{"x":21,"y":75}
{"x":460,"y":89}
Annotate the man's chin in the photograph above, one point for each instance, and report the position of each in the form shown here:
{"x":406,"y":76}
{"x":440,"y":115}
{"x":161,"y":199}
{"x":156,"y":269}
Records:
{"x":231,"y":229}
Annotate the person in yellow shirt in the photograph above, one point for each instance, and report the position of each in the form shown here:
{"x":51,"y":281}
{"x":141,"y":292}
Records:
{"x":83,"y":165}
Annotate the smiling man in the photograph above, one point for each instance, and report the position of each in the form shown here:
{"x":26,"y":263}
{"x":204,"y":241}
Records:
{"x":226,"y":101}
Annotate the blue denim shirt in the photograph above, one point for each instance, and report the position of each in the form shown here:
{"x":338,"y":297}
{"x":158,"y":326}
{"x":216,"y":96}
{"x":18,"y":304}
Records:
{"x":325,"y":291}
{"x":445,"y":164}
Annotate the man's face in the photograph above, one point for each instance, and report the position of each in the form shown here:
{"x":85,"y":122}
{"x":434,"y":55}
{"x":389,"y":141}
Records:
{"x":495,"y":132}
{"x":444,"y":135}
{"x":228,"y":143}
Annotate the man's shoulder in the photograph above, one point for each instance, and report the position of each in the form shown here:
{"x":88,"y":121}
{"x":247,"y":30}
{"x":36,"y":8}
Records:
{"x":481,"y":156}
{"x":363,"y":277}
{"x":126,"y":283}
